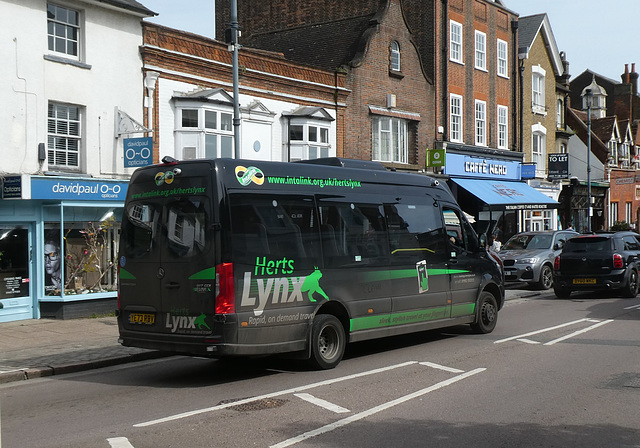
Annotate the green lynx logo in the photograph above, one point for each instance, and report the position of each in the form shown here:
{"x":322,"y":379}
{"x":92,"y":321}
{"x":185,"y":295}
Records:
{"x":186,"y":324}
{"x":279,"y":290}
{"x":247,"y":175}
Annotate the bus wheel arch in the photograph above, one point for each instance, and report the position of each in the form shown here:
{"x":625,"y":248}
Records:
{"x":328,"y":336}
{"x":486,"y":313}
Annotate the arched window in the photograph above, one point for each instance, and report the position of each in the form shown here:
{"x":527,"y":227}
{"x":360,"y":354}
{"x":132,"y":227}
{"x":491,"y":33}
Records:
{"x":394,"y":56}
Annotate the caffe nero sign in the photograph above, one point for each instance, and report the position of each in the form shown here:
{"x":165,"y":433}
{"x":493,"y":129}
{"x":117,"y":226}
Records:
{"x":558,"y":166}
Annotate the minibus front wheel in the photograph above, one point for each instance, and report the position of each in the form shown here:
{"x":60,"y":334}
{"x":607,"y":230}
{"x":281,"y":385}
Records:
{"x":328,"y":341}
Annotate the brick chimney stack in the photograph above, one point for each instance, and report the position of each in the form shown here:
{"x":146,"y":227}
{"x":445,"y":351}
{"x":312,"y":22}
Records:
{"x":625,"y":75}
{"x":634,"y":79}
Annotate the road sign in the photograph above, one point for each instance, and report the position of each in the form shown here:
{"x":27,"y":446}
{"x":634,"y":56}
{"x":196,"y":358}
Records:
{"x":138,"y":152}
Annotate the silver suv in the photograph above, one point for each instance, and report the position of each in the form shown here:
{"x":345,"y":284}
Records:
{"x":529,"y":256}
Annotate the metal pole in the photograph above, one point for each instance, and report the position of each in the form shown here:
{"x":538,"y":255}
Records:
{"x":590,"y":210}
{"x":236,"y":103}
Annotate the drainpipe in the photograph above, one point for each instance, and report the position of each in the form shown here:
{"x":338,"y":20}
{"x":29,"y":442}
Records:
{"x":514,"y":69}
{"x":445,"y":70}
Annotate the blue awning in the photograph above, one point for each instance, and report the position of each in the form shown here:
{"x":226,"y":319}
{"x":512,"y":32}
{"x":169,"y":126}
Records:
{"x":506,"y":195}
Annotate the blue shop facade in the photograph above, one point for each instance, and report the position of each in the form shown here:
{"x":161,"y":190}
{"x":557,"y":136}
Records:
{"x":499,"y":193}
{"x":58,"y":246}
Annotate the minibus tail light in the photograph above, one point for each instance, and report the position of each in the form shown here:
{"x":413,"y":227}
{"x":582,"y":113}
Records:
{"x":225,"y":289}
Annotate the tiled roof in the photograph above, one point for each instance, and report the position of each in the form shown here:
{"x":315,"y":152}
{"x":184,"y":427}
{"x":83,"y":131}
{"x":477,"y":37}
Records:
{"x":327,"y":46}
{"x":604,"y":127}
{"x":528,"y":28}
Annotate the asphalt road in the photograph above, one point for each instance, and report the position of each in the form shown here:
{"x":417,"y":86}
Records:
{"x":554,"y":373}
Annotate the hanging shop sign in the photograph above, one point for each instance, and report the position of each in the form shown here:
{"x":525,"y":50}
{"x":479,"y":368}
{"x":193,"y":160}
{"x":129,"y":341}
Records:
{"x":558,"y":165}
{"x":138,"y":152}
{"x":80,"y":189}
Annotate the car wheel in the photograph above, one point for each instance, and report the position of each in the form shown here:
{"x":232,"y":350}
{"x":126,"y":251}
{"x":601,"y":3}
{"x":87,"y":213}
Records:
{"x":561,"y":293}
{"x":631,"y":290}
{"x":486,"y":314}
{"x":546,"y":277}
{"x":328,"y":342}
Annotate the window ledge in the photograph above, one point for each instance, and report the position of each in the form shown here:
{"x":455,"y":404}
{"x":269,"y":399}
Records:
{"x":396,"y":74}
{"x":61,"y":60}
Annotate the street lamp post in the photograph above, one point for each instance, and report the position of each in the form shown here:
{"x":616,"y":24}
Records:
{"x":588,"y":97}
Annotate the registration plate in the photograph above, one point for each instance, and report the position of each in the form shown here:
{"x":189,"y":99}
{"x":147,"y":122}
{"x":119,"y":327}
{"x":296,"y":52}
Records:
{"x":142,"y":318}
{"x":584,"y":281}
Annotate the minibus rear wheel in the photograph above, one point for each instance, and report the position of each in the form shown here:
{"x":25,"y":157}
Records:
{"x":328,"y":341}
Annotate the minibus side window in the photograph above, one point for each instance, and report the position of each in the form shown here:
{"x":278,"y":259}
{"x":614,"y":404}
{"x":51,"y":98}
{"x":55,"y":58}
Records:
{"x":459,"y":231}
{"x":275,"y":227}
{"x":353,"y":234}
{"x":415,"y":232}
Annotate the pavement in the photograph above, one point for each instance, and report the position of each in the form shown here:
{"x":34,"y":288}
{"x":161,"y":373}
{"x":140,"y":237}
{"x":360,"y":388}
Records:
{"x":38,"y":348}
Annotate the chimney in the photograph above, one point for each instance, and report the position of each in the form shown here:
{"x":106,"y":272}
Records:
{"x":634,"y":79}
{"x":625,"y":75}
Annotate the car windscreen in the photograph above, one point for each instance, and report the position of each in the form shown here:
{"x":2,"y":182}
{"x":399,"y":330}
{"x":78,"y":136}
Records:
{"x":527,"y":242}
{"x":587,"y":244}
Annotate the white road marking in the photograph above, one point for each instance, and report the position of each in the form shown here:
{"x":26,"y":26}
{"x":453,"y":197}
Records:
{"x":528,"y":341}
{"x":273,"y":394}
{"x":375,"y":410}
{"x":119,"y":442}
{"x":438,"y":366}
{"x":540,"y":331}
{"x":322,"y":403}
{"x":632,"y":307}
{"x":584,"y":330}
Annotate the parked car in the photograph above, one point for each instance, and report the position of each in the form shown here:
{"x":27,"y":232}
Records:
{"x":528,"y":256}
{"x":602,"y":261}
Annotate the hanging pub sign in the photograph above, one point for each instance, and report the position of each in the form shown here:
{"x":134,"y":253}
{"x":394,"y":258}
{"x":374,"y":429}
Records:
{"x":558,"y":166}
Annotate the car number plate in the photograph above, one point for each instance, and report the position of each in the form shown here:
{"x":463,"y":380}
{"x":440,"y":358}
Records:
{"x":584,"y":281}
{"x":141,"y":318}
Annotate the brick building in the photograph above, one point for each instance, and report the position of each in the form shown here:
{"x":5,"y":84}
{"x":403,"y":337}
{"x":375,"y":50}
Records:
{"x":288,"y":111}
{"x":389,"y":113}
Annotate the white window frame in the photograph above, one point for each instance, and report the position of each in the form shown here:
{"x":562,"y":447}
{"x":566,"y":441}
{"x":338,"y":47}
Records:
{"x":538,"y":102}
{"x":503,"y":58}
{"x":203,"y":140}
{"x":560,"y":114}
{"x":64,"y":136}
{"x":613,"y":213}
{"x":455,"y":118}
{"x":503,"y":127}
{"x":481,"y":123}
{"x":628,"y":213}
{"x":539,"y":148}
{"x":390,"y":137}
{"x":481,"y":50}
{"x":455,"y":42}
{"x":315,"y":141}
{"x":394,"y":56}
{"x":60,"y":31}
{"x":613,"y":152}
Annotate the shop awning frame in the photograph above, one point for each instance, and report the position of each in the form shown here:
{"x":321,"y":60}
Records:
{"x":506,"y":195}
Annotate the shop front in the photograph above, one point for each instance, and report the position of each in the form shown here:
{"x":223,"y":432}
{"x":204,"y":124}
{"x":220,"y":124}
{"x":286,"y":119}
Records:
{"x":489,"y":187}
{"x":58,"y":247}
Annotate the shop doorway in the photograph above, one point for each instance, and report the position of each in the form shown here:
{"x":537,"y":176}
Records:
{"x":15,"y":273}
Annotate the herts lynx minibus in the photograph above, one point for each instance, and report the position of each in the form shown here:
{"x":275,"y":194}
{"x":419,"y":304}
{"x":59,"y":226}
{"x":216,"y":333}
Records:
{"x":231,"y":257}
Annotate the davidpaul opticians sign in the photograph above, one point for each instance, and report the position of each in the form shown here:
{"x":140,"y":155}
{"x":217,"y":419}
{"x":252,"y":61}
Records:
{"x":81,"y":190}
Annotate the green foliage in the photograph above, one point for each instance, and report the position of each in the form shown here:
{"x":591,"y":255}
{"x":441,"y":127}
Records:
{"x":620,"y":225}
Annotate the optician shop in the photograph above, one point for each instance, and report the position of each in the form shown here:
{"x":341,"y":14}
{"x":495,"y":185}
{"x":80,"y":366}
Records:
{"x":58,"y":246}
{"x":489,"y":187}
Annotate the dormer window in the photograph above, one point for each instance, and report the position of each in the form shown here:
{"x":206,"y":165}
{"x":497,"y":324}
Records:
{"x":394,"y":56}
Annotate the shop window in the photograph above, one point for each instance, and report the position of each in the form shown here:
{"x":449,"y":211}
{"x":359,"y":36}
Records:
{"x":14,"y":262}
{"x":80,"y":256}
